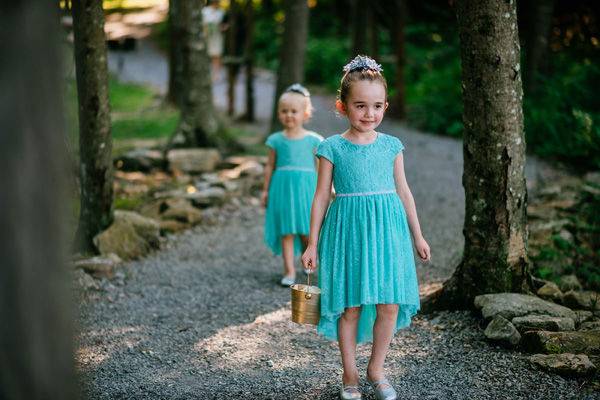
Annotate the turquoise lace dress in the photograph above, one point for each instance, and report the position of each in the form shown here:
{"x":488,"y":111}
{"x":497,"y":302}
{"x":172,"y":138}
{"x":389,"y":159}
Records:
{"x":291,"y":190}
{"x":365,"y":247}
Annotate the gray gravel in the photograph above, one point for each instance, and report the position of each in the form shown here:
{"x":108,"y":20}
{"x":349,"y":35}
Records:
{"x":204,"y":317}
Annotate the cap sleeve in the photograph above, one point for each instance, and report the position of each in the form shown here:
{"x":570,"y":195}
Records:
{"x":272,"y":141}
{"x":316,"y":140}
{"x":325,"y":150}
{"x":397,"y":146}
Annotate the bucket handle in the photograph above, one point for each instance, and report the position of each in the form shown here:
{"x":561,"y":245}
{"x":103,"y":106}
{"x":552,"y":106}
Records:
{"x":308,"y":294}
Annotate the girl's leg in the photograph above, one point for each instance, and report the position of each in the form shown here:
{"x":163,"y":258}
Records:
{"x":383,"y":330}
{"x":347,"y":340}
{"x":287,"y":249}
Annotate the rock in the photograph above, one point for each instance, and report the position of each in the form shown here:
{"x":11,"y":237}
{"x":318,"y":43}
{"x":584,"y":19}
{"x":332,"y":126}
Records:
{"x":566,"y":235}
{"x":587,"y":342}
{"x":540,"y":211}
{"x":511,"y":305}
{"x":583,"y":316}
{"x":586,"y":300}
{"x":501,"y":330}
{"x":182,"y":211}
{"x":592,"y":178}
{"x":567,"y":364}
{"x":194,"y":160}
{"x":140,"y":160}
{"x":85,"y":281}
{"x":593,"y":190}
{"x":147,"y":228}
{"x":538,"y":282}
{"x":99,"y":266}
{"x":543,"y":322}
{"x":130,"y":236}
{"x":590,"y":326}
{"x":569,"y":282}
{"x":171,"y":226}
{"x":550,"y":291}
{"x":212,"y":196}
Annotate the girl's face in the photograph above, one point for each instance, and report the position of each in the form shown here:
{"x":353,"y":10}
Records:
{"x":292,"y":110}
{"x":365,"y":105}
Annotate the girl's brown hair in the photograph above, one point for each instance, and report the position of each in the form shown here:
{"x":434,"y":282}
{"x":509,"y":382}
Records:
{"x":352,"y":76}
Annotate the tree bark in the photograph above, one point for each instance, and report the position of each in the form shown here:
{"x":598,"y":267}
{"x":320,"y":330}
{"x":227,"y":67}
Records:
{"x":359,"y":20}
{"x":36,"y":349}
{"x":249,"y":61}
{"x":198,"y":123}
{"x":176,"y":81}
{"x":495,"y":258}
{"x":95,"y":142}
{"x":537,"y":40}
{"x":293,"y":49}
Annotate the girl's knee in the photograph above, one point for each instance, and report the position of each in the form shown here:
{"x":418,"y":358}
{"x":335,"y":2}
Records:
{"x":387,"y":310}
{"x":351,"y":313}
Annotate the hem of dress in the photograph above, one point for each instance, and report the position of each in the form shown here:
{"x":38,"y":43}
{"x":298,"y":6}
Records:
{"x":407,"y":310}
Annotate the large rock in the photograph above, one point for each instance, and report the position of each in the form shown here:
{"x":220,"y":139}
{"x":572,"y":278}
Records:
{"x":567,"y":364}
{"x":511,"y":305}
{"x":583,"y":316}
{"x":181,"y":210}
{"x":587,"y":342}
{"x":502,"y":331}
{"x":130,"y":236}
{"x":586,"y":300}
{"x":140,"y":160}
{"x":99,"y":266}
{"x":212,"y":196}
{"x":195,"y":160}
{"x":543,"y":323}
{"x":569,"y":282}
{"x":590,"y":326}
{"x":550,"y":291}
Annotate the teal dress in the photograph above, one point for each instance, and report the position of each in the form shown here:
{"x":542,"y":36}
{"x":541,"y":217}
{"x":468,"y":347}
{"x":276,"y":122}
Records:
{"x":365,"y":248}
{"x":291,"y":189}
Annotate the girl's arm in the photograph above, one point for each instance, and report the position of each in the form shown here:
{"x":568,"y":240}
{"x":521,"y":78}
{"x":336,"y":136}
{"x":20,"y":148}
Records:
{"x":268,"y":174}
{"x":317,"y":212}
{"x":411,"y":210}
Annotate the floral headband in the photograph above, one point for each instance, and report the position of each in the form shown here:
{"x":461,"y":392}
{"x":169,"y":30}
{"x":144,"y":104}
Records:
{"x":362,"y":63}
{"x":298,"y":88}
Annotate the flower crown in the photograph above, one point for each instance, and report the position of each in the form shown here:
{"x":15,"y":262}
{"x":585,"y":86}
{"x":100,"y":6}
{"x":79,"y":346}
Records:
{"x":298,"y":88}
{"x":362,"y":63}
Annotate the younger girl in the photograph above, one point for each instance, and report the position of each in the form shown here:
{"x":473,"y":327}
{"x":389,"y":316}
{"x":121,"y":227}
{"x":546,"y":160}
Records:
{"x":367,"y":276}
{"x":290,"y":179}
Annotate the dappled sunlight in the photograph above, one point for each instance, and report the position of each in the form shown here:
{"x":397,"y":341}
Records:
{"x":100,"y":345}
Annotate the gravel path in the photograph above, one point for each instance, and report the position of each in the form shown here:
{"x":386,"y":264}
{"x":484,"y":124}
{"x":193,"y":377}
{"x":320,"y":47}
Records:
{"x":204,"y":318}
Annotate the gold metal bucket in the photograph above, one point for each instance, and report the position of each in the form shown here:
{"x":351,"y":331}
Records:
{"x":306,"y":303}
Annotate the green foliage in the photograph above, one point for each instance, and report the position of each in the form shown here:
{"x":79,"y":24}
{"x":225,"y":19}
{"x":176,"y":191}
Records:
{"x":129,"y":97}
{"x":562,"y":118}
{"x":325,"y":58}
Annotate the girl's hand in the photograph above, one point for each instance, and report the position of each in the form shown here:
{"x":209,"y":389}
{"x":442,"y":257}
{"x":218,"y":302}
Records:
{"x":264,"y":196}
{"x":423,"y":249}
{"x":309,"y":258}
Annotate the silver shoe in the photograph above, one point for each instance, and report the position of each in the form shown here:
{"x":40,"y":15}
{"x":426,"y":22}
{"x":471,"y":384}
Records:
{"x":350,"y":392}
{"x":383,"y":389}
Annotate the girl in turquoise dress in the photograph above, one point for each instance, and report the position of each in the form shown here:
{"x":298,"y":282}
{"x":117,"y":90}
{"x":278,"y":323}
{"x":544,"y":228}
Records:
{"x":363,"y":244}
{"x":290,"y":179}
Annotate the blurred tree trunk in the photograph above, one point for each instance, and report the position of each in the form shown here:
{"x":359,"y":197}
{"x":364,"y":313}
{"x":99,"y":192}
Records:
{"x":293,"y":49}
{"x":176,"y":32}
{"x":359,"y":21}
{"x":249,"y":61}
{"x":36,"y":346}
{"x":495,"y":258}
{"x":536,"y":42}
{"x":95,"y":142}
{"x":398,"y":106}
{"x":233,"y":51}
{"x":198,"y":123}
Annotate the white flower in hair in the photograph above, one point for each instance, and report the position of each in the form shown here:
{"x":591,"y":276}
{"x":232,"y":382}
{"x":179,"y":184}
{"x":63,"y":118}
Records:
{"x":362,"y":63}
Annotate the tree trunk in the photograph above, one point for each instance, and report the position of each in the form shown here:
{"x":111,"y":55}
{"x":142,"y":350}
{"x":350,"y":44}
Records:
{"x":359,"y":20}
{"x":398,"y":106}
{"x":36,"y":349}
{"x":95,"y":142}
{"x":495,"y":258}
{"x":176,"y":81}
{"x":537,"y":40}
{"x":198,"y":123}
{"x":293,"y":49}
{"x":249,"y":61}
